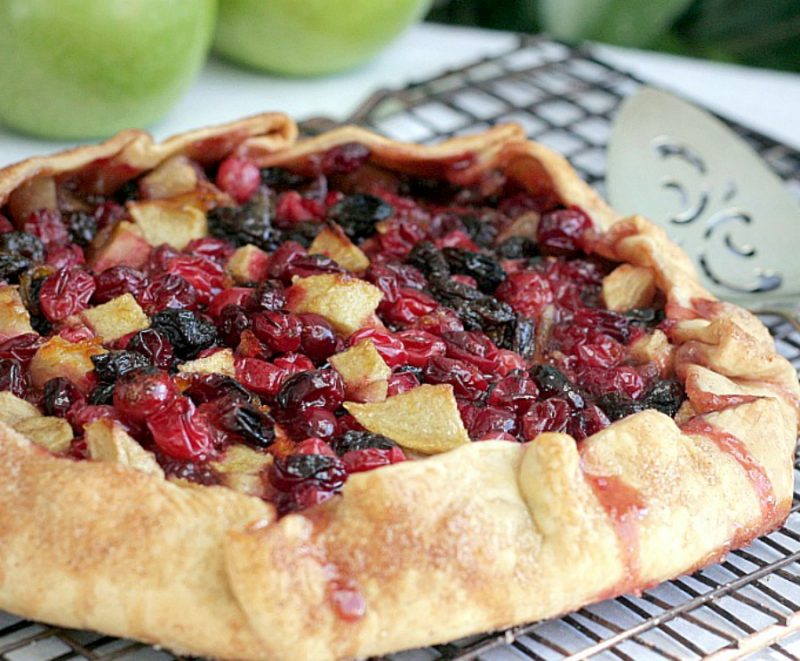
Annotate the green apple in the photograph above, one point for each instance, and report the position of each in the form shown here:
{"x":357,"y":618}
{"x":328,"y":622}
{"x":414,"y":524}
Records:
{"x":310,"y":37}
{"x":88,"y":68}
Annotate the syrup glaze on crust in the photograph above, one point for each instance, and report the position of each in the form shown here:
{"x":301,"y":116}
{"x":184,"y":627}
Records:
{"x":424,"y":545}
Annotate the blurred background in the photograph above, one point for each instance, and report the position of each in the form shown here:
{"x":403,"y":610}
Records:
{"x":763,"y":34}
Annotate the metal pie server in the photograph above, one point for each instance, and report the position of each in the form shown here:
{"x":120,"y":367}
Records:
{"x":685,"y":170}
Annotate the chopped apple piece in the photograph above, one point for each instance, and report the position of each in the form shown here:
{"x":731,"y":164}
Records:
{"x":14,"y":317}
{"x":347,"y":303}
{"x":119,"y":245}
{"x":364,"y":372}
{"x":424,"y":419}
{"x":525,"y":226}
{"x":219,"y":362}
{"x":248,"y":264}
{"x":654,"y":348}
{"x":72,"y":360}
{"x":118,"y":317}
{"x":34,"y":194}
{"x":333,"y":242}
{"x":628,"y":287}
{"x":14,"y":410}
{"x":108,"y":441}
{"x":52,"y":433}
{"x":241,"y":469}
{"x":173,"y":222}
{"x":174,"y":176}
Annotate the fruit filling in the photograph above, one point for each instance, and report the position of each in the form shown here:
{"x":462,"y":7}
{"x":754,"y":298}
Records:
{"x":277,"y":330}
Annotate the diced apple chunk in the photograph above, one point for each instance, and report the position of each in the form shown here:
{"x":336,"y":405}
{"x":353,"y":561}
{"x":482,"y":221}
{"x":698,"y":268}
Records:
{"x":525,"y":226}
{"x":120,"y":245}
{"x":364,"y":372}
{"x":241,"y":469}
{"x":14,"y":410}
{"x":628,"y":287}
{"x":173,"y":222}
{"x":248,"y":264}
{"x":219,"y":362}
{"x":424,"y":419}
{"x":174,"y":176}
{"x":333,"y":242}
{"x":14,"y":317}
{"x":52,"y":433}
{"x":347,"y":303}
{"x":59,"y":357}
{"x":654,"y":348}
{"x":118,"y":317}
{"x":34,"y":194}
{"x":108,"y":441}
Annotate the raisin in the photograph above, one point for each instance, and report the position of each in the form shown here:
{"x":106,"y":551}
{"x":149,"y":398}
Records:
{"x":23,"y":244}
{"x":249,"y":223}
{"x":430,"y":260}
{"x":358,"y":214}
{"x":361,"y":440}
{"x":187,"y":332}
{"x":523,"y":337}
{"x":256,"y":428}
{"x":323,"y":388}
{"x":12,"y":266}
{"x":128,"y":192}
{"x":485,"y":269}
{"x":303,"y":232}
{"x":59,"y":395}
{"x":552,"y":383}
{"x":281,"y":178}
{"x":617,"y":405}
{"x":30,"y":289}
{"x":646,"y":316}
{"x":516,"y":247}
{"x":665,"y":396}
{"x":110,"y":366}
{"x":102,"y":394}
{"x":81,"y":226}
{"x":480,"y":231}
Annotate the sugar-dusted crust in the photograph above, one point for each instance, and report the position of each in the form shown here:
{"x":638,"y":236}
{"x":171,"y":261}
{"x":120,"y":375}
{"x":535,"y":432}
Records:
{"x":488,"y":535}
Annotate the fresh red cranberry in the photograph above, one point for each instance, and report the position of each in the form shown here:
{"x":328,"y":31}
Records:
{"x":47,"y":225}
{"x":410,"y":305}
{"x":400,"y":382}
{"x":281,"y":260}
{"x":205,"y":388}
{"x":472,"y":347}
{"x":516,"y":392}
{"x":78,"y":449}
{"x":439,"y":322}
{"x":563,"y":232}
{"x":116,"y":281}
{"x":492,"y":422}
{"x":528,"y":292}
{"x":142,"y":393}
{"x":603,"y":322}
{"x":586,"y":422}
{"x":390,"y":348}
{"x":391,"y":277}
{"x":211,"y":247}
{"x":239,"y":178}
{"x":63,"y":257}
{"x":232,"y":321}
{"x":154,"y":346}
{"x":292,"y":207}
{"x":65,"y":293}
{"x":317,"y":339}
{"x":517,"y":204}
{"x":258,"y":375}
{"x":180,"y":432}
{"x":21,"y":348}
{"x":552,"y":415}
{"x":12,"y":377}
{"x":159,"y":258}
{"x":623,"y":378}
{"x":232,"y":296}
{"x":420,"y":346}
{"x":359,"y":461}
{"x":294,"y":363}
{"x":345,"y":158}
{"x":280,"y":331}
{"x":168,"y":291}
{"x":322,"y":388}
{"x":205,"y":275}
{"x":317,"y":422}
{"x":466,"y":379}
{"x":400,"y":237}
{"x":314,"y":446}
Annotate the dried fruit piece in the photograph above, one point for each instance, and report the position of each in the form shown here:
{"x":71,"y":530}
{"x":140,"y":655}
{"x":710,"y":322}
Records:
{"x":65,"y":293}
{"x":358,"y":214}
{"x":187,"y":331}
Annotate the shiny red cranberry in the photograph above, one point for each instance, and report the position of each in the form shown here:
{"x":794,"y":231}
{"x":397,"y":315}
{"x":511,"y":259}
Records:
{"x":322,"y":388}
{"x":344,"y":158}
{"x":154,"y":346}
{"x":81,"y":415}
{"x":390,"y":348}
{"x":60,"y":394}
{"x":420,"y":346}
{"x":64,"y":257}
{"x":308,"y":265}
{"x":294,"y":363}
{"x":180,"y":432}
{"x":116,"y":281}
{"x":391,"y":277}
{"x":280,"y":331}
{"x":211,"y":247}
{"x":439,"y":322}
{"x":515,"y":392}
{"x":21,"y":348}
{"x":143,"y":392}
{"x":232,"y":296}
{"x":65,"y":293}
{"x":239,"y":178}
{"x":552,"y":415}
{"x":231,"y":322}
{"x":205,"y":275}
{"x":313,"y":446}
{"x":281,"y":260}
{"x":603,"y":322}
{"x":586,"y":422}
{"x":604,"y":352}
{"x":317,"y":339}
{"x":528,"y":292}
{"x":159,"y":258}
{"x":410,"y":305}
{"x":466,"y":379}
{"x":563,"y":232}
{"x":48,"y":226}
{"x":76,"y":333}
{"x":269,"y":295}
{"x":317,"y":422}
{"x":491,"y":422}
{"x":168,"y":291}
{"x":324,"y":471}
{"x":623,"y":378}
{"x":292,"y":207}
{"x":258,"y":375}
{"x":400,"y":382}
{"x":472,"y":347}
{"x":358,"y":461}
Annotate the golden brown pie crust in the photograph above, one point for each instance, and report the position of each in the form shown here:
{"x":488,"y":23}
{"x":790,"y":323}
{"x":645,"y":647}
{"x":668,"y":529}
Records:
{"x":488,"y":535}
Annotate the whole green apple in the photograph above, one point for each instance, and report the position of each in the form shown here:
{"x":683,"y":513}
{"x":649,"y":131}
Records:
{"x":88,"y":68}
{"x":310,"y":37}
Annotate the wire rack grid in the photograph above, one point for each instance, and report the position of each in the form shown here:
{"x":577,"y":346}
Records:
{"x":746,"y":606}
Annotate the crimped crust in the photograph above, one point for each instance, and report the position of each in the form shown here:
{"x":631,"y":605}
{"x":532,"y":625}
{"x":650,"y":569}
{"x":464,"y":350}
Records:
{"x":487,"y":535}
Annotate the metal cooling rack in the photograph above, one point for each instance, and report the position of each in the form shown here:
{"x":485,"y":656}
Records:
{"x":745,"y":607}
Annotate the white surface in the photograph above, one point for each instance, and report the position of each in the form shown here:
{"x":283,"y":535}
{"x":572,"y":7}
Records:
{"x":763,"y":99}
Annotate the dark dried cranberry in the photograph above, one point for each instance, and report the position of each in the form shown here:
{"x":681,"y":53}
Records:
{"x":466,"y":379}
{"x":281,"y":260}
{"x":303,"y":232}
{"x":21,"y":348}
{"x":307,"y":265}
{"x":344,"y":158}
{"x":281,"y":178}
{"x":280,"y":331}
{"x":207,"y":387}
{"x":180,"y":431}
{"x":22,"y":244}
{"x":607,"y":322}
{"x":665,"y":396}
{"x":314,"y":422}
{"x":188,"y":332}
{"x":59,"y":395}
{"x":142,"y":392}
{"x":269,"y":295}
{"x":323,"y":388}
{"x":81,"y":226}
{"x":239,"y":178}
{"x":516,"y":247}
{"x":472,"y":347}
{"x":12,"y":377}
{"x":552,"y":383}
{"x":617,"y":405}
{"x":361,"y":440}
{"x":13,"y":266}
{"x":491,"y":422}
{"x":480,"y":230}
{"x":233,"y":414}
{"x":551,"y":415}
{"x":205,"y":275}
{"x":154,"y":346}
{"x":517,"y":392}
{"x":242,"y":296}
{"x":116,"y":281}
{"x":168,"y":291}
{"x":232,"y":321}
{"x":562,"y":232}
{"x":250,"y":223}
{"x":112,"y":365}
{"x":358,"y":214}
{"x":485,"y":269}
{"x":210,"y":247}
{"x":48,"y":226}
{"x":65,"y":293}
{"x":586,"y":422}
{"x":429,"y":259}
{"x":290,"y":472}
{"x":30,"y":288}
{"x":317,"y":338}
